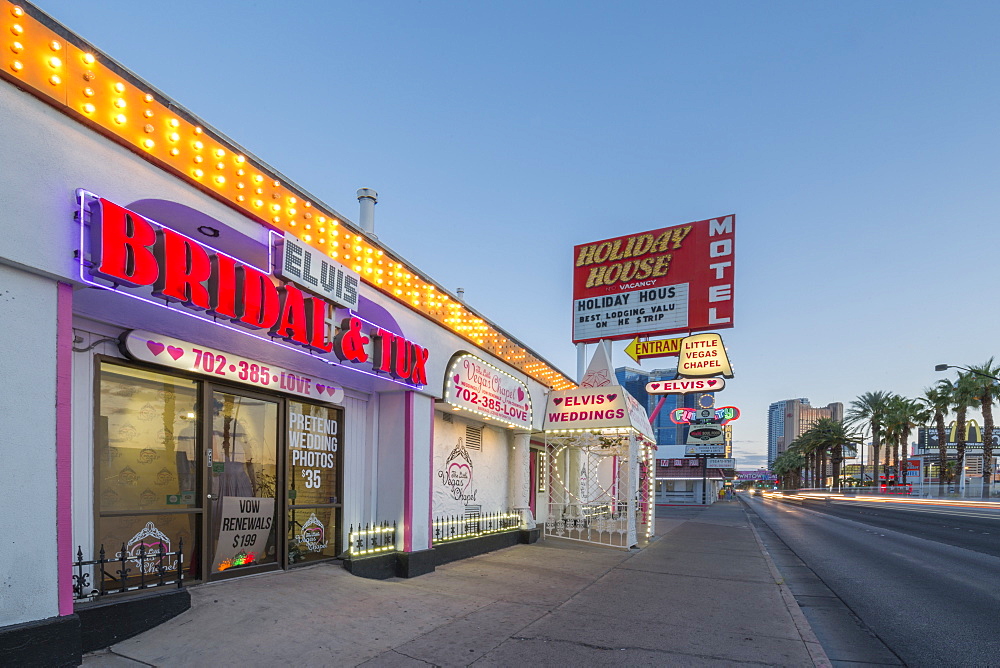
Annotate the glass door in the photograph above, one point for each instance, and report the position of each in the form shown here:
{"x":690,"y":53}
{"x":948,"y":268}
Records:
{"x":313,"y":481}
{"x":241,"y":482}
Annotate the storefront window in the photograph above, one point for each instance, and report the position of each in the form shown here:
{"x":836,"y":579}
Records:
{"x":313,"y":465}
{"x":147,"y":461}
{"x":184,"y":459}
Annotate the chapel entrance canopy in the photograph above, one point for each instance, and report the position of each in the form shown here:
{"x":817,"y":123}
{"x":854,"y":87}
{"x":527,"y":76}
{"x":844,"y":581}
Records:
{"x":600,"y":454}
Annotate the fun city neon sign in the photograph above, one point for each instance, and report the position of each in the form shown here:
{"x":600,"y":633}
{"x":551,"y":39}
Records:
{"x":723,"y":415}
{"x":170,"y":269}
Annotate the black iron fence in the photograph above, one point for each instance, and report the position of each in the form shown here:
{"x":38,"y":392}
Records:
{"x":372,"y":539}
{"x":143,"y":568}
{"x":456,"y":527}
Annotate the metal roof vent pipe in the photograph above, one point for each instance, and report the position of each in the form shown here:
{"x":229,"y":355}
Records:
{"x":368,"y":198}
{"x":460,"y":293}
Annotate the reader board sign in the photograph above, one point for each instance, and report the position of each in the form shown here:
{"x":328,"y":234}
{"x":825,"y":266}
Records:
{"x":673,"y":279}
{"x":720,"y":463}
{"x":705,"y":433}
{"x":705,"y":449}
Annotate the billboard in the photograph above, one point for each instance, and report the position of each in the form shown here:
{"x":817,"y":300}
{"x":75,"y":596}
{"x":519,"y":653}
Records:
{"x":674,"y":279}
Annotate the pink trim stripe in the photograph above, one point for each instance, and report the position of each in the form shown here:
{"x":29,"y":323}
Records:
{"x":64,"y":446}
{"x":408,"y":473}
{"x":430,"y":484}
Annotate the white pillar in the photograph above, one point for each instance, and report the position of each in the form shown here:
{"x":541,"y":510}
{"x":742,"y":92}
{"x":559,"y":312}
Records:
{"x":520,"y":487}
{"x":572,"y":477}
{"x":633,"y":488}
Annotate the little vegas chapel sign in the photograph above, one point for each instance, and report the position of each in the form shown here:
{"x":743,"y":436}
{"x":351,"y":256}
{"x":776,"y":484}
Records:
{"x":475,"y":385}
{"x":674,"y":279}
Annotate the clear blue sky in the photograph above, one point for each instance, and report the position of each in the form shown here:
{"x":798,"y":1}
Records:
{"x":857,"y":143}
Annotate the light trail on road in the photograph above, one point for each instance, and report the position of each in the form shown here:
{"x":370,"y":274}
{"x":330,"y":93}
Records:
{"x":933,"y":602}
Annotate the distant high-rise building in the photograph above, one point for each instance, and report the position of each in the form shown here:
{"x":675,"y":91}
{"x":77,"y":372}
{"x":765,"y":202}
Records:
{"x":787,"y":420}
{"x":634,"y":381}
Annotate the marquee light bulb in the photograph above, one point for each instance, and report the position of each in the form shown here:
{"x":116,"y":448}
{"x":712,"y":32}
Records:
{"x":17,"y":47}
{"x":119,"y":87}
{"x":17,"y":11}
{"x":88,"y":58}
{"x":120,"y":119}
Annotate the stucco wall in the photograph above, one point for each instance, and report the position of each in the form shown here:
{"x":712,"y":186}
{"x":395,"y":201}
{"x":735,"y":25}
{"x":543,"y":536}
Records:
{"x":28,"y":546}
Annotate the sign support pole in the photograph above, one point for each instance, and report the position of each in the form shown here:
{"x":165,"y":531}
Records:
{"x":581,"y":361}
{"x":704,"y":479}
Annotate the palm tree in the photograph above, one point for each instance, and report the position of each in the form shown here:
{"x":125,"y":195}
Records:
{"x":802,"y":449}
{"x":938,"y":401}
{"x":830,"y":436}
{"x":987,"y":390}
{"x":870,"y":408}
{"x":788,"y":467}
{"x":963,"y":398}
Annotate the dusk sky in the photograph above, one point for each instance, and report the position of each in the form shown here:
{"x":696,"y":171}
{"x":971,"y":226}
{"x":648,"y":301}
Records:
{"x":857,"y":144}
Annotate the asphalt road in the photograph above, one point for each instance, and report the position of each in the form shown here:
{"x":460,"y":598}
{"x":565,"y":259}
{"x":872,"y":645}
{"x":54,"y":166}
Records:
{"x":927,"y":587}
{"x":971,"y":528}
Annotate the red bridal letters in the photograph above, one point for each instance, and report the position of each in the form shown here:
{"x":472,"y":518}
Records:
{"x":130,"y":250}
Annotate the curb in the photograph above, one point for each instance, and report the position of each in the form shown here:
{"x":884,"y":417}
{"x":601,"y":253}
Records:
{"x":816,"y":651}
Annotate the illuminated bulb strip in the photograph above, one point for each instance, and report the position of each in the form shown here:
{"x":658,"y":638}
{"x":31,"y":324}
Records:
{"x":78,"y":82}
{"x":460,"y":523}
{"x":366,"y":535}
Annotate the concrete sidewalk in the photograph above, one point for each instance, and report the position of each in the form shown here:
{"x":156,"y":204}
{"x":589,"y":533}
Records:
{"x":702,"y":593}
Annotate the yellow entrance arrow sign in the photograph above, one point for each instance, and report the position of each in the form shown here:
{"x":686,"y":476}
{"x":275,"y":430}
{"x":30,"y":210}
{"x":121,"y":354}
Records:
{"x":639,"y":350}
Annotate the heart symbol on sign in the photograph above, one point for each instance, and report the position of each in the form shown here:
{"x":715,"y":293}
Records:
{"x":612,"y":397}
{"x":711,"y":383}
{"x":175,"y":352}
{"x":152,"y":549}
{"x":455,"y":472}
{"x":320,"y":388}
{"x":330,"y":390}
{"x":155,"y":347}
{"x":520,"y":394}
{"x":655,"y":386}
{"x":456,"y":378}
{"x":558,"y":400}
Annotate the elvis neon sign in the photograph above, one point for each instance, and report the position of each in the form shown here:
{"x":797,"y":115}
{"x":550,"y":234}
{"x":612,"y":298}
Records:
{"x":171,"y":269}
